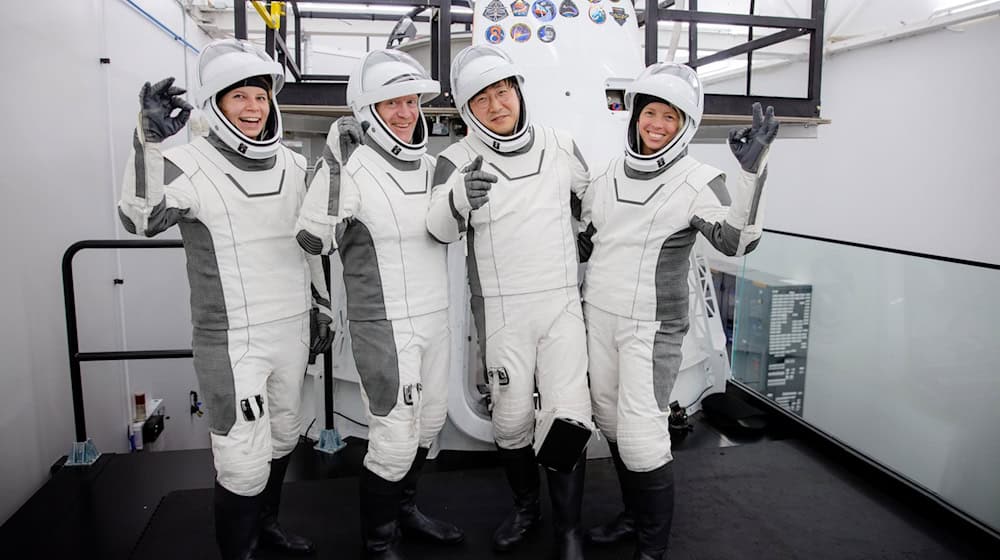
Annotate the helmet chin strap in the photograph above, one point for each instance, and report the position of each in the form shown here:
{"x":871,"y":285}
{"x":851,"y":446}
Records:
{"x":502,"y":144}
{"x":382,"y":134}
{"x":232,"y":136}
{"x":663,"y":157}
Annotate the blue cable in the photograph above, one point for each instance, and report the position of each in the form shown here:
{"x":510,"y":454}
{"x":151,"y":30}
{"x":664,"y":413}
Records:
{"x":160,"y":24}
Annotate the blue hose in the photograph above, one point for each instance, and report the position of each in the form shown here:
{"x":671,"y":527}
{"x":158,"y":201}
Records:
{"x":161,"y":25}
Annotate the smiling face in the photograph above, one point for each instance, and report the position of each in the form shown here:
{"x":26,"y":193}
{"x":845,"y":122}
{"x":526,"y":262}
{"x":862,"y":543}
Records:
{"x":658,"y":123}
{"x":247,"y":108}
{"x":400,"y":114}
{"x":497,"y":107}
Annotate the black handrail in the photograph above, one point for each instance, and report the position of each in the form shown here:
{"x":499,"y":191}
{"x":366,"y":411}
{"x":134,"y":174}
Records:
{"x":72,"y":335}
{"x":929,"y":256}
{"x":73,"y":340}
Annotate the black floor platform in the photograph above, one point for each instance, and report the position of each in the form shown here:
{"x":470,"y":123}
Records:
{"x":769,"y":498}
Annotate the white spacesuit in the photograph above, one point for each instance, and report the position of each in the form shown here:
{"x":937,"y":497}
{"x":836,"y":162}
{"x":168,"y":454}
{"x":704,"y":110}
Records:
{"x":372,"y":210}
{"x":235,"y":199}
{"x":642,"y":216}
{"x":509,"y":193}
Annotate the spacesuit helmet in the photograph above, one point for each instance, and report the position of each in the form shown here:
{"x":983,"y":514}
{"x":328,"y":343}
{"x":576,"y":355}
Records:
{"x":388,"y":74}
{"x":677,"y":85}
{"x":223,"y":64}
{"x":472,"y":70}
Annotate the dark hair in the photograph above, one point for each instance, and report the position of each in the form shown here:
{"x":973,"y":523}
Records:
{"x":509,"y":81}
{"x":262,"y":81}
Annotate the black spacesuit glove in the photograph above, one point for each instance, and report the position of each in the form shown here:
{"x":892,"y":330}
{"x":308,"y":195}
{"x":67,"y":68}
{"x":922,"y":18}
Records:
{"x":320,"y":333}
{"x":478,"y":183}
{"x":157,"y":102}
{"x":750,"y":145}
{"x":585,"y":243}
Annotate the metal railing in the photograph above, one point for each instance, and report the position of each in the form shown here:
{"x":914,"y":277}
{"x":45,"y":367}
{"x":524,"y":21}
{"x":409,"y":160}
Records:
{"x":76,"y":357}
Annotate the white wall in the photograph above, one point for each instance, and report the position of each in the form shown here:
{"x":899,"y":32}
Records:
{"x":910,"y":160}
{"x":902,"y":361}
{"x":68,"y":125}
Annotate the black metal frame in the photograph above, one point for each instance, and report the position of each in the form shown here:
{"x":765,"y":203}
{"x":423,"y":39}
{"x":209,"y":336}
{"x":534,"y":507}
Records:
{"x":73,"y":340}
{"x":331,"y":90}
{"x":321,"y":89}
{"x":725,"y":104}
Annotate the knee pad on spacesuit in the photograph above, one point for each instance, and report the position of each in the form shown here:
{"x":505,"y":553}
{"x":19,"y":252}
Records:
{"x":644,"y":443}
{"x":433,"y":412}
{"x":241,"y":469}
{"x":513,"y":409}
{"x":606,"y":418}
{"x":561,"y":440}
{"x":284,"y":435}
{"x":391,"y":457}
{"x":393,"y":439}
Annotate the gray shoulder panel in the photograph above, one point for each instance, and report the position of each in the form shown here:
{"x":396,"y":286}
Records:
{"x":718,"y":186}
{"x":443,"y":171}
{"x":170,"y":171}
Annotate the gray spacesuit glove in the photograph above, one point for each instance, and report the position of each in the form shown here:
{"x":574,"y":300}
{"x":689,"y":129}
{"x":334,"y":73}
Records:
{"x":351,"y":135}
{"x":157,"y":103}
{"x":478,"y":183}
{"x":320,"y":333}
{"x":751,"y":144}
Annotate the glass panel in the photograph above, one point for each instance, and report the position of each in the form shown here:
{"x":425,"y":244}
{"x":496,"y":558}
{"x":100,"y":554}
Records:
{"x":893,"y":355}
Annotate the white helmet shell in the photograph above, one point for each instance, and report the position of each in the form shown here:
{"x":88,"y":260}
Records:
{"x":472,"y":70}
{"x":388,"y":74}
{"x":223,"y":63}
{"x":678,"y":85}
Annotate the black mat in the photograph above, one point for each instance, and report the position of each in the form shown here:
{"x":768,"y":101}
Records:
{"x":763,"y":501}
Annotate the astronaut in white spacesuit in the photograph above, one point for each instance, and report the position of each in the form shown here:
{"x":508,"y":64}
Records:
{"x":369,"y":202}
{"x":507,"y":187}
{"x":235,"y":196}
{"x":642,"y":215}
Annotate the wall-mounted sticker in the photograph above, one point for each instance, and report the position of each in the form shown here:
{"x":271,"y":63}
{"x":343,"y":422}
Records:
{"x":598,"y":15}
{"x":520,"y":32}
{"x":494,"y":34}
{"x":620,"y":15}
{"x":495,"y":11}
{"x":546,"y":33}
{"x":544,"y":10}
{"x":520,"y":8}
{"x":568,"y":9}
